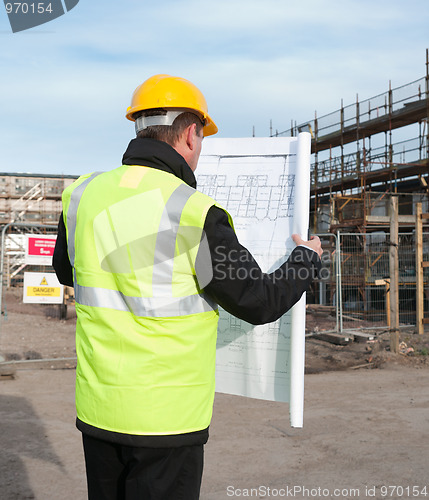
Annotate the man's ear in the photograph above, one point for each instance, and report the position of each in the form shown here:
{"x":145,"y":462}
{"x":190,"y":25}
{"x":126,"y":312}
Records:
{"x":191,"y":136}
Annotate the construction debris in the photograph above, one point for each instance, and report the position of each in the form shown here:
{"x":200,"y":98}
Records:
{"x":404,"y":349}
{"x":7,"y":371}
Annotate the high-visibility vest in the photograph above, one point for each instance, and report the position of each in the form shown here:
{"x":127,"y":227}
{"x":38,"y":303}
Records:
{"x":145,"y":333}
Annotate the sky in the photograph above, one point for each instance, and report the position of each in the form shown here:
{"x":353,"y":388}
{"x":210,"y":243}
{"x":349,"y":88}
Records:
{"x":65,"y":85}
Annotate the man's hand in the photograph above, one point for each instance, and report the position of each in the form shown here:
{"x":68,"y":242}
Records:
{"x":314,"y":243}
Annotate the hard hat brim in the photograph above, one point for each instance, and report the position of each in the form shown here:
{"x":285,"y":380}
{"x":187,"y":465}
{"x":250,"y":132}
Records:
{"x":210,"y":128}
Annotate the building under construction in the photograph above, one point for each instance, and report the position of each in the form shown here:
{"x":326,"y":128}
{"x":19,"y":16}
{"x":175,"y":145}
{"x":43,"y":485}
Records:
{"x":364,"y":154}
{"x":31,"y":198}
{"x":29,"y":203}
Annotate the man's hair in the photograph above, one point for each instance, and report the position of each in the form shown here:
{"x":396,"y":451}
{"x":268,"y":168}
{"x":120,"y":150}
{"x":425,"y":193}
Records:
{"x":169,"y":133}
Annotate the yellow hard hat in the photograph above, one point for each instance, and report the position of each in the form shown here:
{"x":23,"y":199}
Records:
{"x":165,"y":91}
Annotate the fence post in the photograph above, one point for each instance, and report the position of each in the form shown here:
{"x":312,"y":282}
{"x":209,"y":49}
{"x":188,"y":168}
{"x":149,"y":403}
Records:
{"x":339,"y":282}
{"x":335,"y":268}
{"x":419,"y":270}
{"x":337,"y":300}
{"x":387,"y":285}
{"x":394,"y":275}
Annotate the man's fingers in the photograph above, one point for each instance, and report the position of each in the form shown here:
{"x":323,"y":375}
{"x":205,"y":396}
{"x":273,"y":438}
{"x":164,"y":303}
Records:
{"x":315,"y":238}
{"x":313,"y":243}
{"x":297,"y":239}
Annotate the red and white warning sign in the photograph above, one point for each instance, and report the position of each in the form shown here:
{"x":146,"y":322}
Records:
{"x":39,"y":249}
{"x":42,"y":288}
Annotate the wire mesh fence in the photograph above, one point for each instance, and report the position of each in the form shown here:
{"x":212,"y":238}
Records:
{"x":355,"y":281}
{"x":323,"y":299}
{"x":26,"y":250}
{"x":426,"y":275}
{"x":365,"y":278}
{"x":13,"y":251}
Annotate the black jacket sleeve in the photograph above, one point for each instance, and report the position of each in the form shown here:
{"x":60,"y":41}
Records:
{"x":60,"y":259}
{"x":240,"y":287}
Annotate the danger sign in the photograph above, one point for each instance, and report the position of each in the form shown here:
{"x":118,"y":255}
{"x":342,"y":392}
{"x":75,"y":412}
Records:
{"x":42,"y":288}
{"x":39,"y":249}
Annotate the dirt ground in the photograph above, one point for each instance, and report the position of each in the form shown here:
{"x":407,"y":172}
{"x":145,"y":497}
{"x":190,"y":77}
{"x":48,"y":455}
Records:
{"x":366,"y":420}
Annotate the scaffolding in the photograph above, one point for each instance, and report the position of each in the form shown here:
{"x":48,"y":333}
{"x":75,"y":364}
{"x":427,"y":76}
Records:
{"x":29,"y":203}
{"x":31,"y":198}
{"x":346,"y":162}
{"x":364,"y":154}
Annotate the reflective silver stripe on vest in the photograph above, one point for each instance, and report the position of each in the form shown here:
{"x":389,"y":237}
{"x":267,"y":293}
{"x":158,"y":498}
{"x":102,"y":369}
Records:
{"x":163,"y":304}
{"x":162,"y":278}
{"x":155,"y":307}
{"x":72,"y":214}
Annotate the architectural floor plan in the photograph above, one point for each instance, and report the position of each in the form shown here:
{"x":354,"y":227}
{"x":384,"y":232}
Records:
{"x":263,"y":184}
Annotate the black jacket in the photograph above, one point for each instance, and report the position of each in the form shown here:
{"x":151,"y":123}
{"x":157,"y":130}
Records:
{"x":238,"y":285}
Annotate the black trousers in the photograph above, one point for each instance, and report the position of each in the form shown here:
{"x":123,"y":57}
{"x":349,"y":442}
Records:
{"x":119,"y":472}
